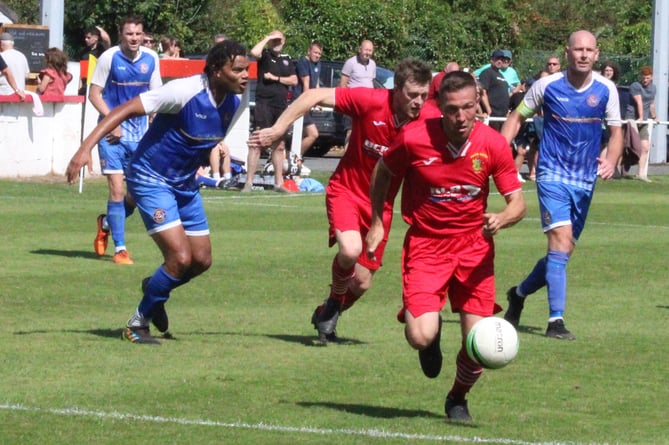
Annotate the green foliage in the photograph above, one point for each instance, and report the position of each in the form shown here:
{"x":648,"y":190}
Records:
{"x":436,"y":31}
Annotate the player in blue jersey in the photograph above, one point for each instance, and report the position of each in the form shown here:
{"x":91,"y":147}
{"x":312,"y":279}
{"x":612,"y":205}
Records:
{"x":191,"y":116}
{"x":574,"y":102}
{"x":121,"y":74}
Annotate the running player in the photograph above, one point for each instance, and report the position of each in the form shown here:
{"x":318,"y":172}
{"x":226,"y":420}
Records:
{"x":448,"y":252}
{"x":192,"y":115}
{"x":378,"y":116}
{"x":121,"y":73}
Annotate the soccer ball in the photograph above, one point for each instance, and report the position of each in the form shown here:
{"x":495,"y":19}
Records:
{"x":492,"y":342}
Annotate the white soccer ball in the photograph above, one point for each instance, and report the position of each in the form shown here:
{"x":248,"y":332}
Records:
{"x":492,"y":342}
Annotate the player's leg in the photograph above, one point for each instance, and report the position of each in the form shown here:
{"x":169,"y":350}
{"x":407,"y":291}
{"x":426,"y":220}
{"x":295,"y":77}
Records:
{"x":116,"y":216}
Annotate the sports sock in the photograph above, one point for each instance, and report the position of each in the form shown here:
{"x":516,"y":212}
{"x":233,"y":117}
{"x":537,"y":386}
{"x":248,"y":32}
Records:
{"x":158,"y":290}
{"x":556,"y":280}
{"x":207,"y":181}
{"x":340,"y":280}
{"x":466,"y":375}
{"x":535,"y":280}
{"x":116,"y":221}
{"x":349,"y":300}
{"x":138,"y":320}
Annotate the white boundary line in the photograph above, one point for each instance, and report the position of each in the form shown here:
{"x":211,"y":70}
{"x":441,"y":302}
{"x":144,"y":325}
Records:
{"x":77,"y":412}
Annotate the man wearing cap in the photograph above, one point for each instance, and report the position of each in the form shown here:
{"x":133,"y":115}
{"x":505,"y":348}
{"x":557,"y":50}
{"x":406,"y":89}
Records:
{"x":17,"y":64}
{"x":509,"y":72}
{"x":496,"y":100}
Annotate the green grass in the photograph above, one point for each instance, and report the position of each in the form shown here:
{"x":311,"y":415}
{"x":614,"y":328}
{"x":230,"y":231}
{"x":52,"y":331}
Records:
{"x":242,"y":369}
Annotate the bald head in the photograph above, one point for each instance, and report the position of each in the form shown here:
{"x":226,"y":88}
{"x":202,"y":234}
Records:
{"x":366,"y":50}
{"x":581,"y":54}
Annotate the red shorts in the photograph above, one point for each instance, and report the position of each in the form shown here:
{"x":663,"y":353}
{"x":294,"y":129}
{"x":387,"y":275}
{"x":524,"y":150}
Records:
{"x":347,"y":212}
{"x":460,"y":267}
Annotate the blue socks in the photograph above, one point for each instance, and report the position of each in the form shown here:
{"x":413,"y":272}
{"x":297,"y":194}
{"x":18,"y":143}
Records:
{"x":116,"y":221}
{"x":550,"y":271}
{"x":158,"y":290}
{"x":556,"y":282}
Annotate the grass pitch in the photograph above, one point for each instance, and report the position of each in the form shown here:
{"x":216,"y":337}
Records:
{"x":243,"y":370}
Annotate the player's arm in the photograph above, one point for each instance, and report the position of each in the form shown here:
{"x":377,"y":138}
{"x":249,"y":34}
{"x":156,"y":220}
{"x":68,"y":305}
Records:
{"x":607,"y":166}
{"x":515,"y":121}
{"x":513,"y":212}
{"x":82,"y":157}
{"x":317,"y":96}
{"x":380,"y":183}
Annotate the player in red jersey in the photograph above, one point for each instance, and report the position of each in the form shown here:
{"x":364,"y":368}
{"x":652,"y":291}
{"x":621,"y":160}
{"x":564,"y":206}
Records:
{"x":378,"y":115}
{"x":446,"y":163}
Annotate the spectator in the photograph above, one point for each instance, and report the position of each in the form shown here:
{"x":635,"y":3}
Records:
{"x":54,"y":78}
{"x":448,"y":249}
{"x":123,"y":72}
{"x":378,"y":117}
{"x":149,"y":41}
{"x":17,"y":63}
{"x":611,"y":71}
{"x":96,"y":42}
{"x":574,"y":103}
{"x":509,"y":72}
{"x":276,"y":73}
{"x":161,"y":173}
{"x":496,"y":100}
{"x":308,"y":75}
{"x":170,"y":48}
{"x":553,"y":65}
{"x":521,"y":143}
{"x":642,"y":108}
{"x":220,"y":169}
{"x":358,"y":71}
{"x":7,"y":76}
{"x":436,"y":80}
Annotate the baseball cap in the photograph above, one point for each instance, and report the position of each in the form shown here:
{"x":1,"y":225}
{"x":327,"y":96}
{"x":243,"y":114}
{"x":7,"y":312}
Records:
{"x":506,"y":53}
{"x":6,"y":36}
{"x":498,"y":53}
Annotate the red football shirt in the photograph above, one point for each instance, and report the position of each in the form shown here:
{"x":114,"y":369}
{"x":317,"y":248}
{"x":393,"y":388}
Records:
{"x":446,"y":188}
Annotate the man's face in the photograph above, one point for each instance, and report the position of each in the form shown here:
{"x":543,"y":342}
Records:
{"x":552,"y":65}
{"x":90,"y":39}
{"x":366,"y":51}
{"x":148,"y":41}
{"x":459,"y":114}
{"x":132,"y":36}
{"x":233,"y":77}
{"x":582,"y":52}
{"x":500,"y":62}
{"x":409,"y":100}
{"x":314,"y":53}
{"x":276,"y":45}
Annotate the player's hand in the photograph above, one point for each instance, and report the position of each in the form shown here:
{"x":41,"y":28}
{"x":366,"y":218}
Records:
{"x":114,"y":137}
{"x":261,"y":139}
{"x":605,"y":169}
{"x":373,"y":239}
{"x":80,"y":158}
{"x":491,"y":224}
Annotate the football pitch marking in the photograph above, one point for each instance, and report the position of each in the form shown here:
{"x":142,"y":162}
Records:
{"x":382,"y":434}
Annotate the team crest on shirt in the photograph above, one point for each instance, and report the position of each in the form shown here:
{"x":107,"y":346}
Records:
{"x":546,"y":218}
{"x":159,"y":216}
{"x":144,"y":68}
{"x":285,"y":62}
{"x":593,"y":100}
{"x":479,"y":161}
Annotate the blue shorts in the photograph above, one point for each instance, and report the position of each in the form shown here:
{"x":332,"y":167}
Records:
{"x":114,"y":158}
{"x":163,"y":207}
{"x":561,"y":204}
